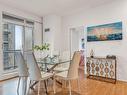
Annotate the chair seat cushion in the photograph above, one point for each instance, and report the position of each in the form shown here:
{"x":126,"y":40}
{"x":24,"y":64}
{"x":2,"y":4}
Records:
{"x":46,"y":75}
{"x":62,"y":74}
{"x":60,"y":69}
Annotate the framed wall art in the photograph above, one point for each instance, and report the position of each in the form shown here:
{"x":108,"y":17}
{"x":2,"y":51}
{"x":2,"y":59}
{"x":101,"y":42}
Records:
{"x":112,"y":31}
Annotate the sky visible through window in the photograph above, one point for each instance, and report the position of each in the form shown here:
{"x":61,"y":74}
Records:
{"x":18,"y":37}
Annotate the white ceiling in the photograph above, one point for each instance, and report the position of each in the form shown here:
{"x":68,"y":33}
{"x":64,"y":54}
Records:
{"x":45,"y":7}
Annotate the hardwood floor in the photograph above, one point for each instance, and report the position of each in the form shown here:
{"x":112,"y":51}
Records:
{"x":87,"y":87}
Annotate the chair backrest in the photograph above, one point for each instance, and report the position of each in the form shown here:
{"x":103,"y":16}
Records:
{"x":74,"y":66}
{"x":22,"y":66}
{"x":34,"y":71}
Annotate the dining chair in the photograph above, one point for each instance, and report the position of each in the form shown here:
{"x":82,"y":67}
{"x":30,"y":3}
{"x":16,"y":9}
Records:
{"x":72,"y":73}
{"x":62,"y":67}
{"x":34,"y":71}
{"x":65,"y":56}
{"x":22,"y":71}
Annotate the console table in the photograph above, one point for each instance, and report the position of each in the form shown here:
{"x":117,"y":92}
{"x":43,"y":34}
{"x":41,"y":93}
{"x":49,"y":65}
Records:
{"x":102,"y":69}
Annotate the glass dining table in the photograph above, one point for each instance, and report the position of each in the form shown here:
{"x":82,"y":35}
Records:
{"x":49,"y":64}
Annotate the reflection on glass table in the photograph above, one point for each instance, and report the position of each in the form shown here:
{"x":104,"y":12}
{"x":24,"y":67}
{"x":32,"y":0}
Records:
{"x":49,"y":63}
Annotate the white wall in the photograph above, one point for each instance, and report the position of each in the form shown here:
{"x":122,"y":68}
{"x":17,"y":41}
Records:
{"x":53,"y":37}
{"x":113,"y":12}
{"x":75,"y":40}
{"x":37,"y":28}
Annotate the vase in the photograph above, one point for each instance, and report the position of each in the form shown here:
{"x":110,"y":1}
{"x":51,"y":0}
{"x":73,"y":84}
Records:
{"x":91,"y":53}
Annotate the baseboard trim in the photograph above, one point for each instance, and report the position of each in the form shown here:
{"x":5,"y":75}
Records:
{"x":8,"y":76}
{"x":121,"y":81}
{"x":8,"y":79}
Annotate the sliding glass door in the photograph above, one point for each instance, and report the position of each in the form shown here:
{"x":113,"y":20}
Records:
{"x":17,"y":35}
{"x":8,"y":44}
{"x":28,"y":38}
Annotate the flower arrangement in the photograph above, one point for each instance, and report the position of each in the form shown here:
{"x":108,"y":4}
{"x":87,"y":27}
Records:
{"x":42,"y":47}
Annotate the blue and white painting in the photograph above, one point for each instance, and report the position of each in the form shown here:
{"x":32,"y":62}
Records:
{"x":112,"y":31}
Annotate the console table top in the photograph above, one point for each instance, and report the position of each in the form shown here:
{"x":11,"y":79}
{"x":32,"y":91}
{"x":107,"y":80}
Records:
{"x":98,"y":57}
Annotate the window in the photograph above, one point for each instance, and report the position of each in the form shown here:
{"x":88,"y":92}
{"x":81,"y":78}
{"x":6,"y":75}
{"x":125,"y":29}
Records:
{"x":17,"y":35}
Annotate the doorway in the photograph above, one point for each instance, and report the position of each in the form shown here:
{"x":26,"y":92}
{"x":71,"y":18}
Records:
{"x":77,"y":43}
